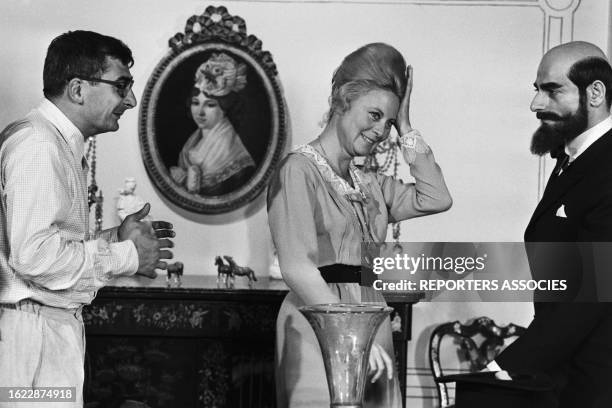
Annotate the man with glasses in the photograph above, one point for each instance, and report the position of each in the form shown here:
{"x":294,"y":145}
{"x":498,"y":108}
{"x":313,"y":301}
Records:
{"x":50,"y":266}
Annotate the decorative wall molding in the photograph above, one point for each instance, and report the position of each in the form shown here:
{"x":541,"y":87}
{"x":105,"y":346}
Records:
{"x":558,"y":7}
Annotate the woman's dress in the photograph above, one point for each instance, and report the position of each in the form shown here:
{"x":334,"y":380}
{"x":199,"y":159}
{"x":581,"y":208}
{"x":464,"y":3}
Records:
{"x":317,"y":218}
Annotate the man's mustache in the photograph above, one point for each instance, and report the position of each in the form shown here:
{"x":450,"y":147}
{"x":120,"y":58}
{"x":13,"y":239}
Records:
{"x":548,"y":116}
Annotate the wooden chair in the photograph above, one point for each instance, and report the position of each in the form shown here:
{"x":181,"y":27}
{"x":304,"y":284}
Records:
{"x":478,"y":342}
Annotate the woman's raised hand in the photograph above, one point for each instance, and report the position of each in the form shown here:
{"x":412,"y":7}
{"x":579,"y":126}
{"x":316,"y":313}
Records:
{"x":403,"y":115}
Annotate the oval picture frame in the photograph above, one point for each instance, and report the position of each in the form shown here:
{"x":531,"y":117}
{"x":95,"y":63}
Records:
{"x":200,"y":166}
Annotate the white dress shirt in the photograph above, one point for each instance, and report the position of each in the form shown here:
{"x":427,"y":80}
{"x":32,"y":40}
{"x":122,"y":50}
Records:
{"x":45,"y":250}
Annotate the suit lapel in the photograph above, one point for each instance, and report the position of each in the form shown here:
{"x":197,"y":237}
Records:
{"x":558,"y":186}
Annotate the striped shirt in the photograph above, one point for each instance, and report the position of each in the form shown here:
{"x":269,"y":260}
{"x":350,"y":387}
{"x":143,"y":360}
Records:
{"x":46,"y":253}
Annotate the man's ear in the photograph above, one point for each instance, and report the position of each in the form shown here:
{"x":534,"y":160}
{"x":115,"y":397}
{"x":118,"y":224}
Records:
{"x":596,"y":94}
{"x":74,"y":91}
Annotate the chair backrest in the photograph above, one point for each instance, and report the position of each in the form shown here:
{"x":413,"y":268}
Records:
{"x":479,"y":341}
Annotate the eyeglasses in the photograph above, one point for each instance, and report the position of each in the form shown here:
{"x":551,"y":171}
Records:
{"x":123,"y":86}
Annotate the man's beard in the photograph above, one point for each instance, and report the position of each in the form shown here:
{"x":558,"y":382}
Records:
{"x":550,"y":137}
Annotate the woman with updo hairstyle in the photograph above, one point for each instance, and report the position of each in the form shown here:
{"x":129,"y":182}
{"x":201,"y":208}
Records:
{"x":321,"y":207}
{"x":214,"y":160}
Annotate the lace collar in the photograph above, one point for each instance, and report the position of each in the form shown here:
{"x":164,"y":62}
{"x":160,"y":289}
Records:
{"x":340,"y":185}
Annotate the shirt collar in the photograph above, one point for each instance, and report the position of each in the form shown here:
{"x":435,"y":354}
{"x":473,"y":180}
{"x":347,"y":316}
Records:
{"x":71,"y":134}
{"x":578,"y":145}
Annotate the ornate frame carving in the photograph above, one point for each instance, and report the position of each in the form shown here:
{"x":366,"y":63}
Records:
{"x":164,"y":113}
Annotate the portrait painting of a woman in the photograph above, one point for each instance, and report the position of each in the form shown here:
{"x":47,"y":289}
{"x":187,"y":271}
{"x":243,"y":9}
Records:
{"x":214,"y":161}
{"x":212,"y":118}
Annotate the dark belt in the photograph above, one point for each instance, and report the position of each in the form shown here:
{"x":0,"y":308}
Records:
{"x":340,"y":273}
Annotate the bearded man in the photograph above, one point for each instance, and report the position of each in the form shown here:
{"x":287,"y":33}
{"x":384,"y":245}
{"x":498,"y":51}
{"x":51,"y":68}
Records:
{"x":570,"y":337}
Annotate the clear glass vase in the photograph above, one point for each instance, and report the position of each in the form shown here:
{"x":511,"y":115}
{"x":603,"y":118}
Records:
{"x":345,"y":333}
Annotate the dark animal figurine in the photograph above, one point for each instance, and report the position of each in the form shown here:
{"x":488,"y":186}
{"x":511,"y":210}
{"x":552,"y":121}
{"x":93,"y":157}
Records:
{"x":225,"y":270}
{"x":240,"y":270}
{"x":175,"y":270}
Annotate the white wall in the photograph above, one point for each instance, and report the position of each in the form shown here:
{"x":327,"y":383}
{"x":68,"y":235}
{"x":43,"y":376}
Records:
{"x":474,"y":64}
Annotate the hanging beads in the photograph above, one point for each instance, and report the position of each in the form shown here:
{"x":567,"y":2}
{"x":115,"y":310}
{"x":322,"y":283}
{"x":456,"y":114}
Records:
{"x":389,"y":150}
{"x":94,"y":195}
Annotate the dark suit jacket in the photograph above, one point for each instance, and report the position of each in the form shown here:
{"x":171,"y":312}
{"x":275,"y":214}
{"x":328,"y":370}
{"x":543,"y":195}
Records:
{"x":571,"y":339}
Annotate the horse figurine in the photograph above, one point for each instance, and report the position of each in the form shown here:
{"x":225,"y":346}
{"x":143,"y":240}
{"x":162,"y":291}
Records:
{"x":225,"y":270}
{"x":240,"y":270}
{"x":174,"y":270}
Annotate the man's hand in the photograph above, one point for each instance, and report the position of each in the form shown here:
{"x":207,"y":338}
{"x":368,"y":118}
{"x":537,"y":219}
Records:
{"x":133,"y":226}
{"x":149,"y":239}
{"x":148,"y":255}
